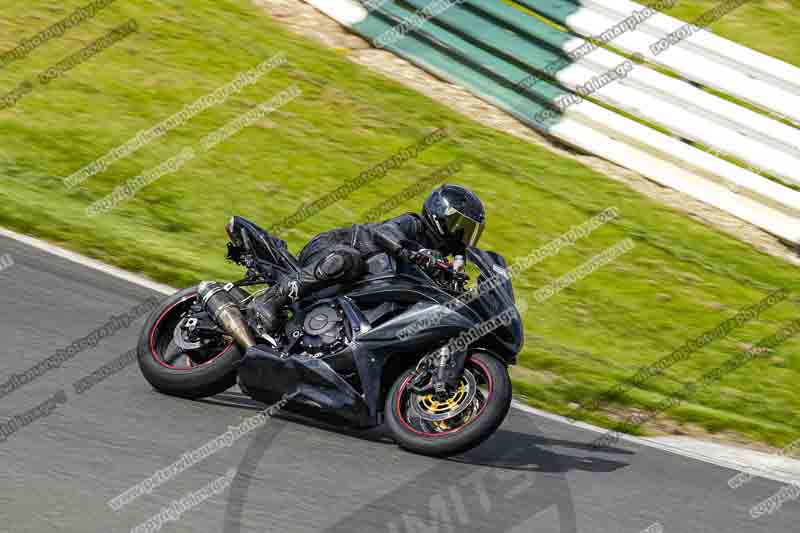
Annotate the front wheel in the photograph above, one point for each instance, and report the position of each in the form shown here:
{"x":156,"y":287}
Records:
{"x":442,"y":426}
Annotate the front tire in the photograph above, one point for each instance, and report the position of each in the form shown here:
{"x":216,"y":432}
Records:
{"x":439,"y":439}
{"x":186,"y":373}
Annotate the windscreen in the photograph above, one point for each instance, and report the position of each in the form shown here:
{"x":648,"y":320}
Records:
{"x":496,"y":295}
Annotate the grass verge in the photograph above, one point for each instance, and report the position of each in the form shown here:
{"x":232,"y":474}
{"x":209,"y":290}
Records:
{"x":680,"y":280}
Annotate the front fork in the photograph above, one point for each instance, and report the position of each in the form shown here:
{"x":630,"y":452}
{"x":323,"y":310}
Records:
{"x":438,"y":372}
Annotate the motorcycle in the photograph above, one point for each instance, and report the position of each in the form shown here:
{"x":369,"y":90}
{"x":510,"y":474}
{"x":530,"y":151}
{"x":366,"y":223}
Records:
{"x":405,"y":345}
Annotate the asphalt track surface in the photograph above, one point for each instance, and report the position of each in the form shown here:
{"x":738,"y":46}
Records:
{"x":534,"y":475}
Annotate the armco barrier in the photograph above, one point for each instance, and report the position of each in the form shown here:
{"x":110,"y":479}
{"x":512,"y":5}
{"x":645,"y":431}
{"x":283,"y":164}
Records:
{"x":589,"y":20}
{"x":486,"y":25}
{"x":754,"y":64}
{"x":454,"y":54}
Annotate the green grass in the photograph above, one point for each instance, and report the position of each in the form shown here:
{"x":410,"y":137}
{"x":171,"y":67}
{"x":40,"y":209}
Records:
{"x":682,"y":278}
{"x":769,"y":26}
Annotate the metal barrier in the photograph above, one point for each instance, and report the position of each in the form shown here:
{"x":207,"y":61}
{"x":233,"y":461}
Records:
{"x":510,"y":58}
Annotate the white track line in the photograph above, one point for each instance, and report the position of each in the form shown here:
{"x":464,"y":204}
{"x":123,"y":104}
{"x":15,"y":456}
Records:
{"x":87,"y":261}
{"x":753,"y":462}
{"x":757,"y":463}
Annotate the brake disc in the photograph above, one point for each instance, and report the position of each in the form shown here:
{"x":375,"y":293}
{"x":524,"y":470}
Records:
{"x":429,"y":408}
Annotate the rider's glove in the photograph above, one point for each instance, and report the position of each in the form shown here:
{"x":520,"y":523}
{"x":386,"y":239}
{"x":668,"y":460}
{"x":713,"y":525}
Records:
{"x":425,"y":258}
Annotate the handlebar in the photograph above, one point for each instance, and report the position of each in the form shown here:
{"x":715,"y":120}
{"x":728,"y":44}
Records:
{"x":442,"y":271}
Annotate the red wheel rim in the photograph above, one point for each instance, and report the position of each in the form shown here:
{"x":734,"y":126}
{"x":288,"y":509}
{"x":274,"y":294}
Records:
{"x":401,"y":394}
{"x":154,"y":330}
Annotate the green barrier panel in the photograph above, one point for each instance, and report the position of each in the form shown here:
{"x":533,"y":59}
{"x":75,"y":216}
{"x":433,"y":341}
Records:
{"x":511,"y":35}
{"x":470,"y":34}
{"x":521,"y":22}
{"x":527,"y":26}
{"x":451,"y":55}
{"x":555,"y":10}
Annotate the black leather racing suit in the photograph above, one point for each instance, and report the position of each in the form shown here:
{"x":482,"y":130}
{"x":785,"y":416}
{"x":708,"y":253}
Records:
{"x":405,"y":231}
{"x":339,"y":255}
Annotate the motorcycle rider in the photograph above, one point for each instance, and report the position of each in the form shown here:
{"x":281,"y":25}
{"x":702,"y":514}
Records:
{"x":453,"y":217}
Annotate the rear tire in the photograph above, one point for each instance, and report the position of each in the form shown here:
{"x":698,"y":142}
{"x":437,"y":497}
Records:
{"x":453,"y":441}
{"x":218,"y":372}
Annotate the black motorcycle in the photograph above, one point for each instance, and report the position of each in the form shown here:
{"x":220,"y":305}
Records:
{"x":345,"y":354}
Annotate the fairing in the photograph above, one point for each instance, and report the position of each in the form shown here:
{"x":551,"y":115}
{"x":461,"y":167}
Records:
{"x":319,"y":382}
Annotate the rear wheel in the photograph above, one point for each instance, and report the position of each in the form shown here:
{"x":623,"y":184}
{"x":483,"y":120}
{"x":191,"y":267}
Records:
{"x":455,"y":422}
{"x":181,"y":368}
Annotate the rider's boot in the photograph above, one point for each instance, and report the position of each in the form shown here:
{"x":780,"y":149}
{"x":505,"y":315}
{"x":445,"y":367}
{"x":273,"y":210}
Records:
{"x":268,"y":306}
{"x":340,"y":263}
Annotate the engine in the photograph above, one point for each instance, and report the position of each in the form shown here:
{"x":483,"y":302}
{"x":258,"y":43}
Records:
{"x":323,"y":330}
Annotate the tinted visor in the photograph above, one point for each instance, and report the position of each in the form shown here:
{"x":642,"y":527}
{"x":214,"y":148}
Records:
{"x":465,"y":229}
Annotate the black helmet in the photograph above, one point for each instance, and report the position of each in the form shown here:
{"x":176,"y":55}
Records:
{"x":455,"y":214}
